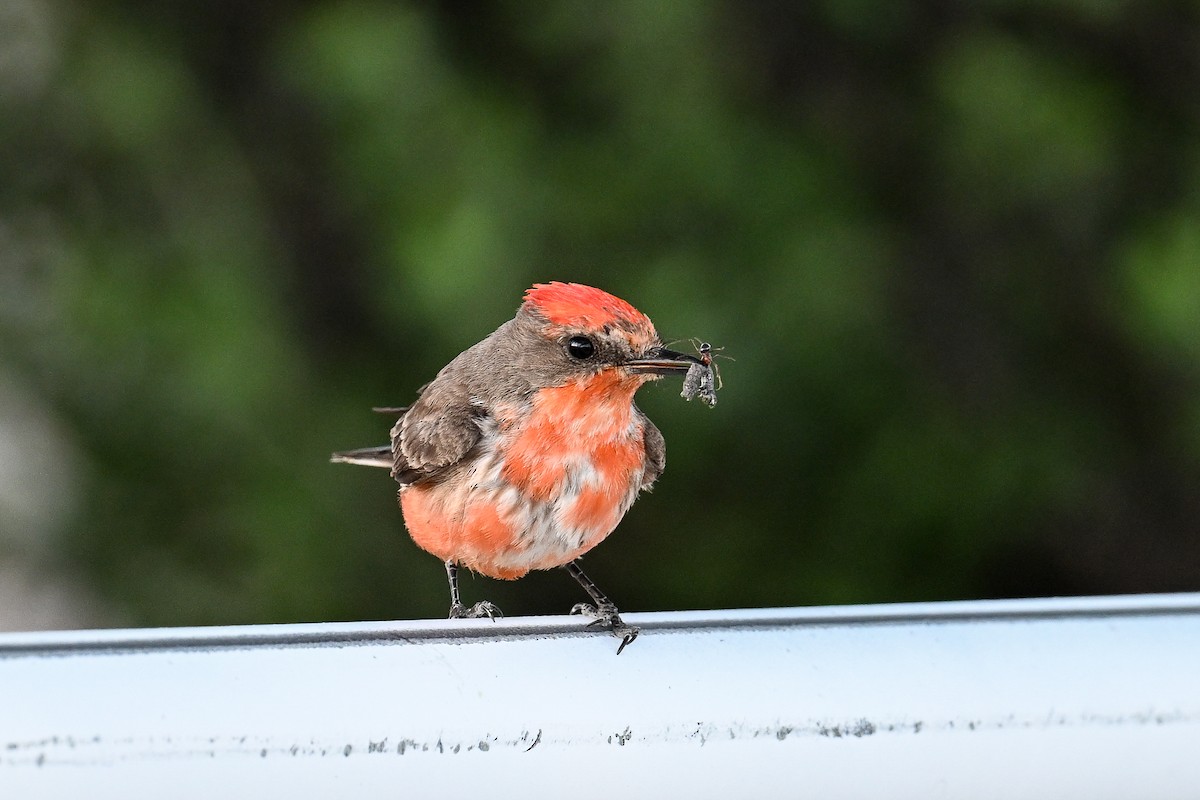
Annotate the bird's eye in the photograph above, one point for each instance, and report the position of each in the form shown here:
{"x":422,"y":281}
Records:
{"x":580,"y":347}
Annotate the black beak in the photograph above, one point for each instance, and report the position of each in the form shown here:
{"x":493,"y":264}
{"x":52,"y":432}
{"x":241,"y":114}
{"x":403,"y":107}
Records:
{"x":661,"y":361}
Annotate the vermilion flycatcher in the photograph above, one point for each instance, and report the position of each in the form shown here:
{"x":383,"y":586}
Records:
{"x":527,"y":449}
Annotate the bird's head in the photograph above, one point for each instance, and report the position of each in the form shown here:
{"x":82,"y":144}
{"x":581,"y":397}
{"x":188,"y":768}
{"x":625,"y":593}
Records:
{"x":586,"y":332}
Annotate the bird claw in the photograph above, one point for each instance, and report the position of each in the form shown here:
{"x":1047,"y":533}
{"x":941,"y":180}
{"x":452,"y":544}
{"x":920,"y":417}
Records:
{"x":481,"y":609}
{"x":607,"y":617}
{"x":586,"y":609}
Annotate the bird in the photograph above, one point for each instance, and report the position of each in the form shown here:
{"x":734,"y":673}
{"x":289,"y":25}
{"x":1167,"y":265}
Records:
{"x":527,"y":449}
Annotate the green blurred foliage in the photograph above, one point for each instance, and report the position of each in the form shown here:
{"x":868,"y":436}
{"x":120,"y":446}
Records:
{"x":954,"y":253}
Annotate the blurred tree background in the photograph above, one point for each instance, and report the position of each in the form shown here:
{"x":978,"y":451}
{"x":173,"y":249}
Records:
{"x":954,"y":249}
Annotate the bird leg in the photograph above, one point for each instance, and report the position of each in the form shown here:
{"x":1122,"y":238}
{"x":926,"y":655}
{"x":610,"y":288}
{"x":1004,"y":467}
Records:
{"x":457,"y":610}
{"x":604,"y":611}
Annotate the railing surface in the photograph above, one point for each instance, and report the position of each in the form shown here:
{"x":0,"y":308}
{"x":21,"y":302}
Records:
{"x":1083,"y":697}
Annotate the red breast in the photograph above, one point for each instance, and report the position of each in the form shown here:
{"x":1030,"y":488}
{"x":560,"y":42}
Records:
{"x":549,"y":481}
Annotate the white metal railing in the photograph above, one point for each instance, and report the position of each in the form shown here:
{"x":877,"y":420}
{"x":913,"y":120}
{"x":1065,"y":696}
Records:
{"x":1084,"y":697}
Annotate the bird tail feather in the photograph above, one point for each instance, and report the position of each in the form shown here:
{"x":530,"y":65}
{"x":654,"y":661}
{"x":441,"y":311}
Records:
{"x":366,"y":457}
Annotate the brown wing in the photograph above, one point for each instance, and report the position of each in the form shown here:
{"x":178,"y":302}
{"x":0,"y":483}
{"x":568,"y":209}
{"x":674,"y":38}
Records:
{"x":656,"y":451}
{"x":435,"y":433}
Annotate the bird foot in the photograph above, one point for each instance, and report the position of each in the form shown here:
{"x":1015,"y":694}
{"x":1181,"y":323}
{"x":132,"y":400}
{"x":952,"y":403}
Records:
{"x":481,"y":609}
{"x":606,"y":617}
